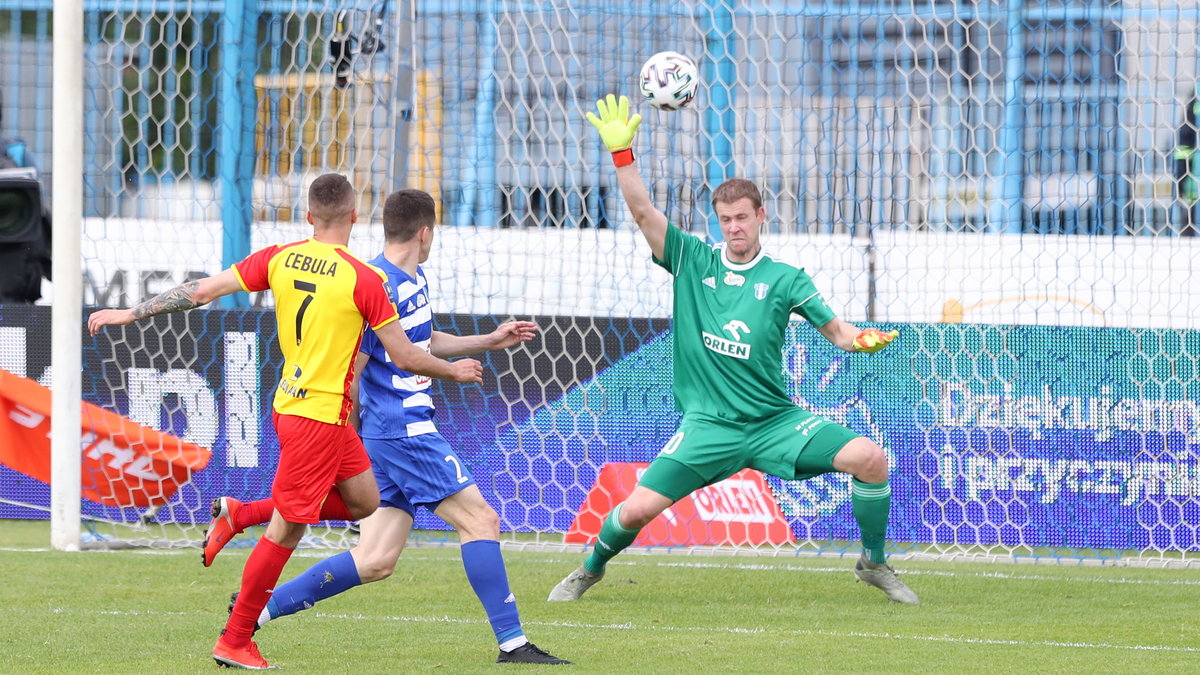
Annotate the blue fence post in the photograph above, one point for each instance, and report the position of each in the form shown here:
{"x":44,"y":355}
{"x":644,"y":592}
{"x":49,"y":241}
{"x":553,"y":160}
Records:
{"x":478,"y":205}
{"x":720,"y":122}
{"x":236,"y":146}
{"x":1120,"y":172}
{"x":1006,"y":211}
{"x":108,"y":181}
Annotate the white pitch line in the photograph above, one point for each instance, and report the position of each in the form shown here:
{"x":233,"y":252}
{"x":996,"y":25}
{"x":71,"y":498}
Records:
{"x":735,"y":630}
{"x":759,"y":630}
{"x":938,"y":573}
{"x":634,"y":562}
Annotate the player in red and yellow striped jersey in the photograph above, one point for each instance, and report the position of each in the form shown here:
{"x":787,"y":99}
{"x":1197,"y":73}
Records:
{"x":324,"y":298}
{"x":304,"y":276}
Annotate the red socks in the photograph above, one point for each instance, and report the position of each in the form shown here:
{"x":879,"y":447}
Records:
{"x":259,"y":577}
{"x":253,"y":513}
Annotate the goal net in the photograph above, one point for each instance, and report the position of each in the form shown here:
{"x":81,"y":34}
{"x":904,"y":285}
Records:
{"x":1012,"y":186}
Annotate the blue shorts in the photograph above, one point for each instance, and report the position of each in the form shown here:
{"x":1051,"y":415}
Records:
{"x":417,"y":471}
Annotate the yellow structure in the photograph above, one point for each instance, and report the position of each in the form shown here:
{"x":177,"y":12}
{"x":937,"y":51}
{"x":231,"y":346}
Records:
{"x":953,"y":310}
{"x":306,"y":125}
{"x":425,"y":150}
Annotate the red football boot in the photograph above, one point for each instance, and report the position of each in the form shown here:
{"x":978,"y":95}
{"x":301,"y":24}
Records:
{"x":246,"y":657}
{"x":221,"y":530}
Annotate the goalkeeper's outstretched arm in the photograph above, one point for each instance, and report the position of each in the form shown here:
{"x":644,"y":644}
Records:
{"x":651,"y":221}
{"x":617,"y":130}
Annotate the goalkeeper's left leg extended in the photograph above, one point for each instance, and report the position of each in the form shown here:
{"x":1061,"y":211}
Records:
{"x":883,"y":577}
{"x":613,"y":538}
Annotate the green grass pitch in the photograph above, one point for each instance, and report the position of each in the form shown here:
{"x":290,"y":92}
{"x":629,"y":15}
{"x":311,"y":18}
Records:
{"x":144,"y":611}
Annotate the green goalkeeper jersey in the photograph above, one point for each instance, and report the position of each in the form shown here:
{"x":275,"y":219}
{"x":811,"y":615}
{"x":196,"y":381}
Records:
{"x":729,"y":325}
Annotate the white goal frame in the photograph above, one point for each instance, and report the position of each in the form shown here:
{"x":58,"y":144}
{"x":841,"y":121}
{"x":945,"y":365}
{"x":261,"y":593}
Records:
{"x":67,"y":203}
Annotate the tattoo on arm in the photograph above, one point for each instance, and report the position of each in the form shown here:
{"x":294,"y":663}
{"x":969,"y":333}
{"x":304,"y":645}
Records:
{"x":177,"y":299}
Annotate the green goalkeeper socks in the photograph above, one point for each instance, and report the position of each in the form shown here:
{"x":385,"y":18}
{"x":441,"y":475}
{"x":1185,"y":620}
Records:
{"x":872,"y":503}
{"x":613,"y":539}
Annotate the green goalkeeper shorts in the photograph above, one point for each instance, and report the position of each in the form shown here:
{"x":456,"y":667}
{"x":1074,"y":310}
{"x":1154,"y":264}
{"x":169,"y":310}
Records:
{"x":794,"y":445}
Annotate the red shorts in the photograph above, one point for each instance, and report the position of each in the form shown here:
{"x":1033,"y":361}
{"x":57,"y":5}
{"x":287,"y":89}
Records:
{"x":313,"y":456}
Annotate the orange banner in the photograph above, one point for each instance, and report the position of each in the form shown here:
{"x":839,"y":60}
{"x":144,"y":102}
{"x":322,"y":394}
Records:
{"x":738,"y":511}
{"x":123,"y":463}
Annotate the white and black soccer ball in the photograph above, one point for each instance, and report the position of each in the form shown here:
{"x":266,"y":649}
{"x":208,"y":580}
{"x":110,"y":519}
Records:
{"x":669,"y":80}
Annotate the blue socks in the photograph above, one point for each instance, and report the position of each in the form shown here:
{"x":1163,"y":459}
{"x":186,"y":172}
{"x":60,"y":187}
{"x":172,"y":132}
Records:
{"x":481,"y":560}
{"x":323,"y":580}
{"x":485,"y":571}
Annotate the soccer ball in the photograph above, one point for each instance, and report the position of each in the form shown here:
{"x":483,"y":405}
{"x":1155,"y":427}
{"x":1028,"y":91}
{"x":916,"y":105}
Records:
{"x":669,"y":80}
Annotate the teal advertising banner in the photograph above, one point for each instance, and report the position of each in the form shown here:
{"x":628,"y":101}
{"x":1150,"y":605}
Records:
{"x":1024,"y":436}
{"x":1027,"y":436}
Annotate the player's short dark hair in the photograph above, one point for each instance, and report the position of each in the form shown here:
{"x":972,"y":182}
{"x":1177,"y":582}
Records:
{"x":331,"y":196}
{"x":405,"y":212}
{"x":737,"y":188}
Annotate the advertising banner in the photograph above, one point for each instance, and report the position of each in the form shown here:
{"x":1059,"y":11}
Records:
{"x":1027,"y":436}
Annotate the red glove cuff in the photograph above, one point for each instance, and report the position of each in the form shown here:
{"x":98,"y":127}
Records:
{"x":623,"y":157}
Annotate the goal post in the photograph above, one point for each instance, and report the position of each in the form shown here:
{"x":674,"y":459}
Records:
{"x":68,"y":289}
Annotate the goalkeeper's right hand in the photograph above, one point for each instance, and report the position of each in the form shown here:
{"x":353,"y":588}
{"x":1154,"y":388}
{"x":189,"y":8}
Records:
{"x":616,"y":127}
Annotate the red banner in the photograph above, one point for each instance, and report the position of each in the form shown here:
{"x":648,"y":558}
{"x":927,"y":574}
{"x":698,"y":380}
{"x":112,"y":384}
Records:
{"x":738,"y":511}
{"x":124,"y":463}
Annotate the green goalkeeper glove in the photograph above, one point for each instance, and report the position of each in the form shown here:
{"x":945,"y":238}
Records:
{"x":616,"y":127}
{"x":872,"y":340}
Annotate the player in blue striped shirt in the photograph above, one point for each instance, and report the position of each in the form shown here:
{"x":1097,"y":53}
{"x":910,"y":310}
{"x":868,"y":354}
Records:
{"x":413,"y":463}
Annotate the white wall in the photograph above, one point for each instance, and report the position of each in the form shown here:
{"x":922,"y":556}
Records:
{"x":1062,"y":280}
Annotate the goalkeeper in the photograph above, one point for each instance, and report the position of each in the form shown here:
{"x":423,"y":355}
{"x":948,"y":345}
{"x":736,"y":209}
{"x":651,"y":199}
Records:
{"x":731,"y":311}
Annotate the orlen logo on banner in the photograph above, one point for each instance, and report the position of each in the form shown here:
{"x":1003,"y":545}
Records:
{"x":734,"y":500}
{"x":737,"y":511}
